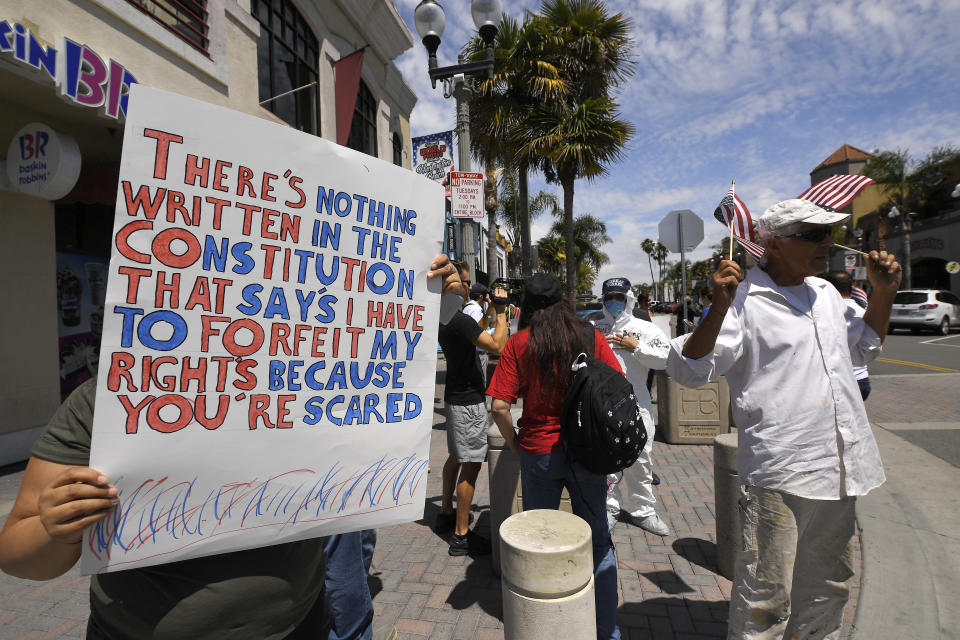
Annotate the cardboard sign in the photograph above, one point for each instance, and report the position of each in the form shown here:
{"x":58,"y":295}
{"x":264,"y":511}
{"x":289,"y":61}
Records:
{"x":267,"y":367}
{"x":466,"y":195}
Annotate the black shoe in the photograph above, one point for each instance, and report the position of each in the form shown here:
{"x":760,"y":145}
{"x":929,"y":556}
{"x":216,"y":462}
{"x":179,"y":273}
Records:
{"x":472,"y":544}
{"x":446,"y":522}
{"x":656,"y":479}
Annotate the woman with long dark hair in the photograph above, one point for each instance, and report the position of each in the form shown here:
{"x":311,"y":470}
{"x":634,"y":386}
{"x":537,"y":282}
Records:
{"x":536,"y":365}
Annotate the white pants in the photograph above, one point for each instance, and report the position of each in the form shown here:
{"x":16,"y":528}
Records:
{"x":793,"y":576}
{"x":631,"y":490}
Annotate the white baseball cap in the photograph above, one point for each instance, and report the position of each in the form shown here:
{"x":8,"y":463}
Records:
{"x":795,"y":211}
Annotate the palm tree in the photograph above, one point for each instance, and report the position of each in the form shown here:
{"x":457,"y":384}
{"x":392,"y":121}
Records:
{"x":648,"y":246}
{"x":510,"y":214}
{"x":890,"y":171}
{"x":552,"y":256}
{"x":660,"y":255}
{"x":589,"y":234}
{"x":521,"y":79}
{"x":580,"y":133}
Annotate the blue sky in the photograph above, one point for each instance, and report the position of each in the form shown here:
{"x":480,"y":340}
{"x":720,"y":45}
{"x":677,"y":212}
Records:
{"x":757,"y":91}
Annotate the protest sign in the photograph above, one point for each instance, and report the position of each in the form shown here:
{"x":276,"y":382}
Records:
{"x":263,"y":376}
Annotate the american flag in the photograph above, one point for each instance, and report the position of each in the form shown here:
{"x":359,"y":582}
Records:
{"x":836,"y":192}
{"x":859,"y":295}
{"x":732,"y":211}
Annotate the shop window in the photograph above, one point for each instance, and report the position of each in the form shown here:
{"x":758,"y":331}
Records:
{"x":288,"y":55}
{"x":188,"y":19}
{"x":397,"y":149}
{"x":363,"y":128}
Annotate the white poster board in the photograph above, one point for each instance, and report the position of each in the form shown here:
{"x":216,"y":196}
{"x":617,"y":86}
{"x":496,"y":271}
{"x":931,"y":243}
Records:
{"x":466,"y":194}
{"x":267,"y":368}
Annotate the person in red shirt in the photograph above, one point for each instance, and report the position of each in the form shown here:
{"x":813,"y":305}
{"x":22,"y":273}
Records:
{"x":535,"y":366}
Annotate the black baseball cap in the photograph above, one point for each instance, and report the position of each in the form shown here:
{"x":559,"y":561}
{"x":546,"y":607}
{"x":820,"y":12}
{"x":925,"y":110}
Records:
{"x":542,"y":290}
{"x":616,"y":285}
{"x":479,"y":289}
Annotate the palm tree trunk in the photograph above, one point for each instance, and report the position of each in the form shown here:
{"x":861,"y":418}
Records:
{"x":492,"y":246}
{"x":490,"y":202}
{"x":526,"y":250}
{"x":569,"y":245}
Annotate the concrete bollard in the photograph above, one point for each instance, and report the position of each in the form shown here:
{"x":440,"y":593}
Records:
{"x":547,"y":562}
{"x":726,"y":493}
{"x":503,"y":470}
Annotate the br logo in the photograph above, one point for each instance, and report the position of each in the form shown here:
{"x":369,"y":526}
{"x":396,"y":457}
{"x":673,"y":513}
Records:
{"x":33,"y":145}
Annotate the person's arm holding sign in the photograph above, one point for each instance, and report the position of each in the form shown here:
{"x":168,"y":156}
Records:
{"x":56,"y":501}
{"x":494,"y":344}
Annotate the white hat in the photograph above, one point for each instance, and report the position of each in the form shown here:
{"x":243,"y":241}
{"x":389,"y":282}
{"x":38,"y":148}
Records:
{"x":795,"y":211}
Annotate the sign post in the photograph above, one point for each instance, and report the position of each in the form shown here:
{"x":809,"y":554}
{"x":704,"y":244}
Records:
{"x":466,"y":195}
{"x":681,"y":231}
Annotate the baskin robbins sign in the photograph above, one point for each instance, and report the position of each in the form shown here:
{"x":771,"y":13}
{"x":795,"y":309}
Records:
{"x":42,"y":162}
{"x":80,"y":75}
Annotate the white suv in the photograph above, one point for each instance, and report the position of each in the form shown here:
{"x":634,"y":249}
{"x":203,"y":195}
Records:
{"x":917,"y":309}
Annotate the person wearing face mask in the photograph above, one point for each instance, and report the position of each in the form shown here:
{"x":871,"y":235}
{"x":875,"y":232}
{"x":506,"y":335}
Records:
{"x":639,"y":346}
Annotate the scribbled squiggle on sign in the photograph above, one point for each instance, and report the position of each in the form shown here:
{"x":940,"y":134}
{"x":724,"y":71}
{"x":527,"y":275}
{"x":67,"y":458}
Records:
{"x":175,"y":513}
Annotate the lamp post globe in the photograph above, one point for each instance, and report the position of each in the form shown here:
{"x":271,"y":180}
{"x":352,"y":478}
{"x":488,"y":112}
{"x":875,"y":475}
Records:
{"x":430,"y":20}
{"x":486,"y":15}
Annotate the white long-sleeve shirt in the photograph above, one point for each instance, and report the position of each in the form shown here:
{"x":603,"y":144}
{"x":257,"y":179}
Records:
{"x":651,"y":352}
{"x":787,"y":354}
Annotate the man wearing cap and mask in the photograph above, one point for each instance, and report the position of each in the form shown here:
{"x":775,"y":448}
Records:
{"x":639,"y":347}
{"x":806,"y":451}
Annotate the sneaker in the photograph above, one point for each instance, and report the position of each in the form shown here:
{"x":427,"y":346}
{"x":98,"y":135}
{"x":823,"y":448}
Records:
{"x":446,"y":522}
{"x":472,"y":544}
{"x":653,"y":524}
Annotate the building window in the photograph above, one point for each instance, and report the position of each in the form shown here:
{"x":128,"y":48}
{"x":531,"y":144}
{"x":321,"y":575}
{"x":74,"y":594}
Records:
{"x":185,"y":18}
{"x":363,"y":128}
{"x":288,"y":54}
{"x":397,"y":149}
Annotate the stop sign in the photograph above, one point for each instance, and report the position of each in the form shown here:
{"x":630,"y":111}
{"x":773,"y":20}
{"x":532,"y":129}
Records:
{"x":678,"y":224}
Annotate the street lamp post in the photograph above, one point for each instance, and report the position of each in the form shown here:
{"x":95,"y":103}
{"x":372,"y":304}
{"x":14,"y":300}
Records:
{"x":430,"y":21}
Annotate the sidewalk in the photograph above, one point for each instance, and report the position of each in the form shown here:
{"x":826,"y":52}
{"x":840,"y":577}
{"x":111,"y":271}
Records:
{"x":669,"y":588}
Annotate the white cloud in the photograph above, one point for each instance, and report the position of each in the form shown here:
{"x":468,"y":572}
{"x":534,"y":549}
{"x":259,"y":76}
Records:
{"x":759,"y":90}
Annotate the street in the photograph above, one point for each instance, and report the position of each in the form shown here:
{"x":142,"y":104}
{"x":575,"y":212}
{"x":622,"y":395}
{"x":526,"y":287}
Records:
{"x":904,"y":352}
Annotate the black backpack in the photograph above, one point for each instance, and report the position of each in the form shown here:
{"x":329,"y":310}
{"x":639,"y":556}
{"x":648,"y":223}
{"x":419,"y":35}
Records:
{"x":601,"y":426}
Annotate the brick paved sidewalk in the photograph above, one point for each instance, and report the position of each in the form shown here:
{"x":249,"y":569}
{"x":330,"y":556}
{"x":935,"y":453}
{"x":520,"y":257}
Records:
{"x":669,"y":588}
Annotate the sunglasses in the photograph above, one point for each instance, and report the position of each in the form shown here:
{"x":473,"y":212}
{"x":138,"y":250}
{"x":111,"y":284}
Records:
{"x":817,"y":234}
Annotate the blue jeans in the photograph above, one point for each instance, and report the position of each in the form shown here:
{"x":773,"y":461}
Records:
{"x":543,"y":479}
{"x":864,"y":384}
{"x":348,"y":596}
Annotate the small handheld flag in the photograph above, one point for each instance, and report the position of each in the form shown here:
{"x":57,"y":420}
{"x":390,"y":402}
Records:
{"x":733,"y":213}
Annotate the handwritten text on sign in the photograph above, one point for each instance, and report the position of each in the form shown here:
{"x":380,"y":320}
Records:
{"x":261,"y":377}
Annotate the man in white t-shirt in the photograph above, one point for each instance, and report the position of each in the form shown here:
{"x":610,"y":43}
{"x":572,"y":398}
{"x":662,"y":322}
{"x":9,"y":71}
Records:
{"x":844,"y":284}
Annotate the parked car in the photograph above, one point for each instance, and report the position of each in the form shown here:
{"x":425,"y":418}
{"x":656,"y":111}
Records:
{"x":917,"y":309}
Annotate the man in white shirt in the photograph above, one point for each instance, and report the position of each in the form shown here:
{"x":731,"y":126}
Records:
{"x":844,"y":284}
{"x":805,"y":446}
{"x":478,"y":308}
